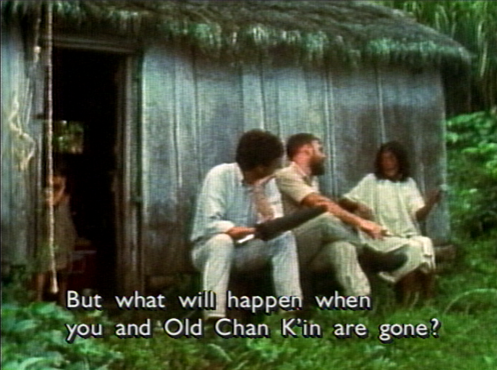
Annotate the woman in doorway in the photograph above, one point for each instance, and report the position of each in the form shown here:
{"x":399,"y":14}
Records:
{"x":64,"y":240}
{"x":391,"y":198}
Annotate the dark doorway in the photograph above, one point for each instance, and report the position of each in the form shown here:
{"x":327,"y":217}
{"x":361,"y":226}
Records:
{"x":86,"y":91}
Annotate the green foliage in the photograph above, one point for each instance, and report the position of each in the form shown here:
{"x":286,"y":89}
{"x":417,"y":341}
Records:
{"x":474,"y":25}
{"x":465,"y":307}
{"x":161,"y":352}
{"x":33,"y":338}
{"x":472,"y":167}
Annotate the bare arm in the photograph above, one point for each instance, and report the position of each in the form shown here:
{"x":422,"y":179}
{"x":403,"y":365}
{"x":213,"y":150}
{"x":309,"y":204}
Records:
{"x":357,"y":208}
{"x":372,"y":229}
{"x":238,"y":232}
{"x":348,"y":204}
{"x":432,"y":199}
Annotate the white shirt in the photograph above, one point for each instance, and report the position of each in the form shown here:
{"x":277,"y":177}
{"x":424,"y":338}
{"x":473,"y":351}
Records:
{"x":394,"y":204}
{"x":226,"y":201}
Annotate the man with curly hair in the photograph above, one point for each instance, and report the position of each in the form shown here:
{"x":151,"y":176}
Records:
{"x":234,"y":198}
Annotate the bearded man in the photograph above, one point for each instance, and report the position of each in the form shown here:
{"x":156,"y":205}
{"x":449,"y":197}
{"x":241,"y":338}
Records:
{"x":327,"y":242}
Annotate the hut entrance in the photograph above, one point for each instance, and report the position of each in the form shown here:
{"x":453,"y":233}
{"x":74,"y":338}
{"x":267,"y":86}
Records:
{"x":86,"y":92}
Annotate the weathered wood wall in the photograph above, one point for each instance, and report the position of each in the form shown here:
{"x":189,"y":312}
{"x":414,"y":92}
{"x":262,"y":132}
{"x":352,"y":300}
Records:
{"x":21,"y":140}
{"x":194,"y":112}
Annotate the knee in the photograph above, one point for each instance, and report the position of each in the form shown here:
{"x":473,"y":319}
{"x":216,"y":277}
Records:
{"x":343,"y":249}
{"x":289,"y":240}
{"x":220,"y":244}
{"x":286,"y":241}
{"x":219,"y":247}
{"x":334,"y":230}
{"x":339,"y":255}
{"x":329,"y":218}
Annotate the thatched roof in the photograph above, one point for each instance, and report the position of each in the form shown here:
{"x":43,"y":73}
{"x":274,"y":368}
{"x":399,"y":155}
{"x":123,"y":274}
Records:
{"x":314,"y":31}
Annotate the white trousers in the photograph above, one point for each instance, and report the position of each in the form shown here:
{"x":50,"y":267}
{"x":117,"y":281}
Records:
{"x":326,"y":244}
{"x":219,"y":255}
{"x":418,"y":249}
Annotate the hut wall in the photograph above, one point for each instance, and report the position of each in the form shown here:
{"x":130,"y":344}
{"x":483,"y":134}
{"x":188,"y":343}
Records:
{"x":20,"y":142}
{"x":194,"y":112}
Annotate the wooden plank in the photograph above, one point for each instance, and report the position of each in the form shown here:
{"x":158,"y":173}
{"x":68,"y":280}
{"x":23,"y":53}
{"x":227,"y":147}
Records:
{"x":220,"y":116}
{"x":19,"y":151}
{"x":356,"y":124}
{"x":291,"y":103}
{"x":159,"y":161}
{"x":317,"y":114}
{"x":319,"y":120}
{"x":270,"y":96}
{"x":192,"y":122}
{"x":427,"y":95}
{"x":187,"y":151}
{"x":252,"y":97}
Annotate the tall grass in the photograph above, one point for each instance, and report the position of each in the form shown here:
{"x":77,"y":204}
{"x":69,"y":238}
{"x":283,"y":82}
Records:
{"x":474,"y":25}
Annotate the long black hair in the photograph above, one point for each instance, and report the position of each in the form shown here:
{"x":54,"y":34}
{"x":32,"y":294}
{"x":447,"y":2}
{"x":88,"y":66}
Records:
{"x":398,"y":150}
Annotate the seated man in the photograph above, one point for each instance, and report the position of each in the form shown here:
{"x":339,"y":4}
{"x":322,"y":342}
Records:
{"x":234,"y":198}
{"x":391,"y":197}
{"x":325,"y":242}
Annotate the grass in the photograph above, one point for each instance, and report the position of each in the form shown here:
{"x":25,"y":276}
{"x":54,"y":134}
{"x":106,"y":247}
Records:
{"x":465,"y":308}
{"x":33,"y":334}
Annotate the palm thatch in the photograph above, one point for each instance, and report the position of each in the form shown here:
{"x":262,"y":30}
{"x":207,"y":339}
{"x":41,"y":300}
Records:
{"x":314,"y":31}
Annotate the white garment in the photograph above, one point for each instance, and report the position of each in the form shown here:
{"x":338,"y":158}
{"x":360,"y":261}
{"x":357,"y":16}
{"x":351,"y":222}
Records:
{"x":394,"y":206}
{"x":226,"y":201}
{"x":324,"y":245}
{"x":219,"y":255}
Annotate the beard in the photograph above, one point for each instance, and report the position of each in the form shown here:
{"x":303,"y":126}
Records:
{"x":317,"y":168}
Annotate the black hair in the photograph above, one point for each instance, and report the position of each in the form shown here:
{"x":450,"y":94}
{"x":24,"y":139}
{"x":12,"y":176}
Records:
{"x":258,"y":148}
{"x":399,"y":151}
{"x":295,"y":142}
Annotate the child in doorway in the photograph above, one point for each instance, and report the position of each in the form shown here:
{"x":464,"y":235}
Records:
{"x":63,"y":242}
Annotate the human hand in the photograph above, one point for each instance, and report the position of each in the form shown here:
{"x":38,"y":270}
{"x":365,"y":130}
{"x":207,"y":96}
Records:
{"x":374,"y":230}
{"x":239,"y":232}
{"x":433,"y":197}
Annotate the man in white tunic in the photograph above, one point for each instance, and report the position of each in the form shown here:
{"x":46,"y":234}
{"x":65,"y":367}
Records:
{"x":234,"y":198}
{"x":392,"y":199}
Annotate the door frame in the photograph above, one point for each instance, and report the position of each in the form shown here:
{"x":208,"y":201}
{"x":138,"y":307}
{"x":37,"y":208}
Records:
{"x":126,"y":180}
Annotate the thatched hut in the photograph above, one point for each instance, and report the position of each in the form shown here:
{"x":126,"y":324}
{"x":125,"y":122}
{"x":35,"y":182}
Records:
{"x":161,"y":91}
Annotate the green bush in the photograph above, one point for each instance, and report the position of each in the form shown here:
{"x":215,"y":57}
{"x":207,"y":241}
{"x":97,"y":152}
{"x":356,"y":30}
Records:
{"x":472,"y":167}
{"x":33,"y":338}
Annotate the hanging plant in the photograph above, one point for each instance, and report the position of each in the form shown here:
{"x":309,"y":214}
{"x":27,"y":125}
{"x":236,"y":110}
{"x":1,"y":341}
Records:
{"x":68,"y":137}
